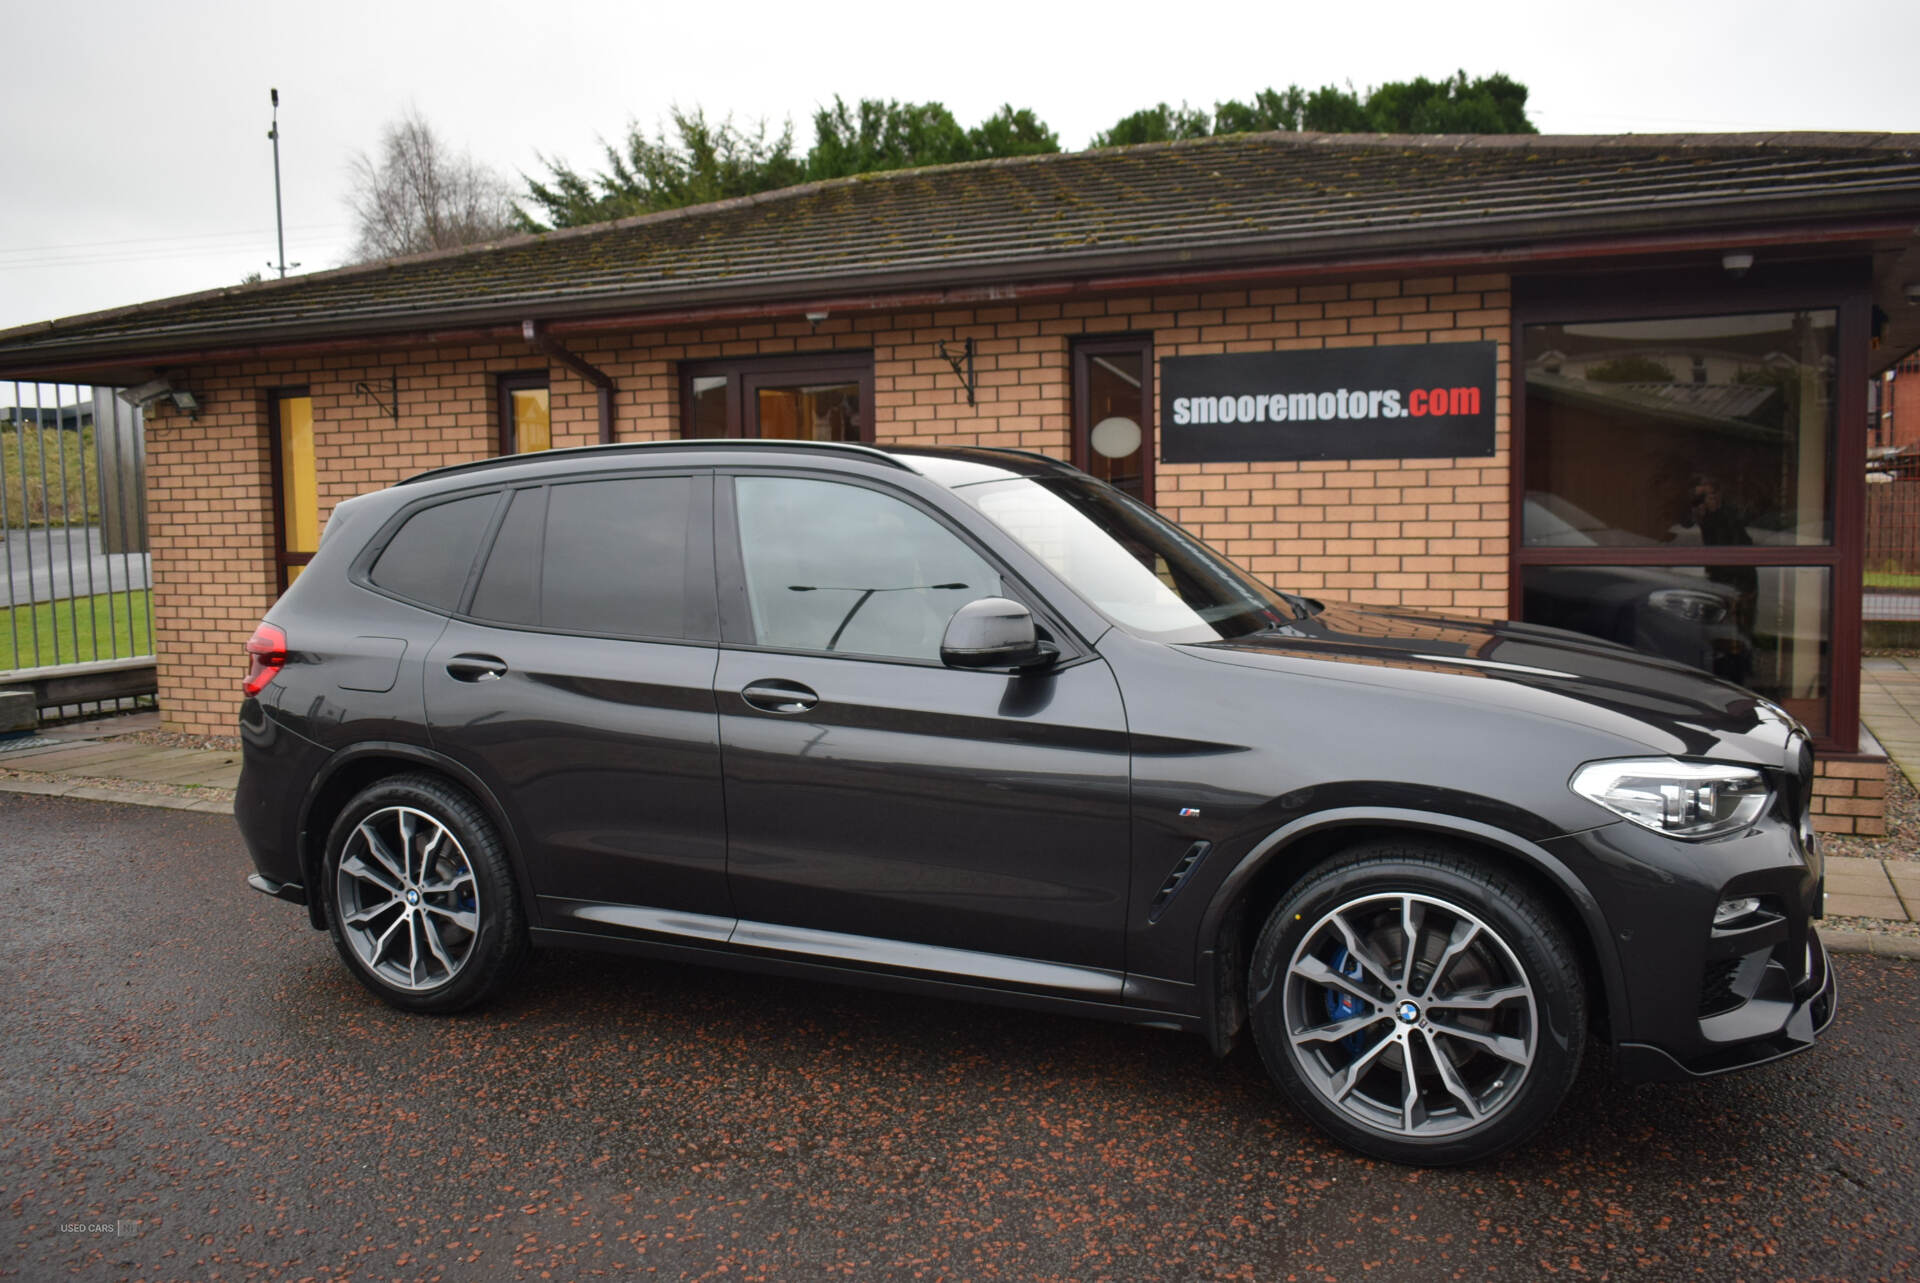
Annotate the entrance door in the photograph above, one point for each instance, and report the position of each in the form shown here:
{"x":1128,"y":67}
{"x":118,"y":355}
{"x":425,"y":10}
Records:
{"x":878,"y":800}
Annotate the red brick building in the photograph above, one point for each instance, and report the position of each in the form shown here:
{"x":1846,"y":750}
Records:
{"x":1678,"y":335}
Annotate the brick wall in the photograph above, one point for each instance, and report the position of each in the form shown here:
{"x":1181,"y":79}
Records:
{"x":1422,"y":533}
{"x":1429,"y":533}
{"x":1850,"y":797}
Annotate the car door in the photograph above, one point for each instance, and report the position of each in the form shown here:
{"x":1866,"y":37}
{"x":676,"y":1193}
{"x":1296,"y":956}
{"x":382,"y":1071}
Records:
{"x":578,"y":683}
{"x":883,"y":808}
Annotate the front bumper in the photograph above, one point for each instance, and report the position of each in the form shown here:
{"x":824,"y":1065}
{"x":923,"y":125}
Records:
{"x":1799,"y":1023}
{"x":1692,"y":998}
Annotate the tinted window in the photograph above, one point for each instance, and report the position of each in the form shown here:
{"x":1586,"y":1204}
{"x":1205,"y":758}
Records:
{"x":509,"y":590}
{"x":842,"y":568}
{"x":428,"y":558}
{"x":606,"y":557}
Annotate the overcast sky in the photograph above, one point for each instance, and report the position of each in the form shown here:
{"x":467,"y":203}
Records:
{"x":135,"y":150}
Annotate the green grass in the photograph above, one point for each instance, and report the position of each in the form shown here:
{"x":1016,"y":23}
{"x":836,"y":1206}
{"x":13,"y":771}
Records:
{"x":30,"y":499}
{"x":1892,"y":579}
{"x":97,"y":638}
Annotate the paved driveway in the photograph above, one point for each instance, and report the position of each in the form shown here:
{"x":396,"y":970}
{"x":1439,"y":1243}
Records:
{"x":182,"y":1055}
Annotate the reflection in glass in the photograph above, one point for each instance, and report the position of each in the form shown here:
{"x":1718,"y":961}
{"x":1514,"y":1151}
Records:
{"x":845,"y":569}
{"x":709,"y":406}
{"x":1116,"y":408}
{"x":1763,"y":627}
{"x":809,"y":412}
{"x":1709,"y":431}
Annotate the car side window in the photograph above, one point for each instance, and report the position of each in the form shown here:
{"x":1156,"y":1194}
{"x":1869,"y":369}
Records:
{"x":428,"y":558}
{"x":841,"y":568}
{"x":594,"y":557}
{"x":509,"y":589}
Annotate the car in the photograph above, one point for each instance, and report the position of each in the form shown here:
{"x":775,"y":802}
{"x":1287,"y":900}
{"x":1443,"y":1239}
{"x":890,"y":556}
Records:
{"x":1671,"y":611}
{"x":969,"y":723}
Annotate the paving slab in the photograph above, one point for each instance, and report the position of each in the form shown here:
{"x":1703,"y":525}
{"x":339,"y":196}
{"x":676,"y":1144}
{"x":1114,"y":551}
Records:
{"x":1840,"y":904}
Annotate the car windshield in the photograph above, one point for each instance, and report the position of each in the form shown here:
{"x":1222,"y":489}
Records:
{"x":1137,"y":568}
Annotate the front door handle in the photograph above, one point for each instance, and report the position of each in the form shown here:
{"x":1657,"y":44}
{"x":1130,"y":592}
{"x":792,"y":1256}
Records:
{"x":476,"y":668}
{"x":771,"y":695}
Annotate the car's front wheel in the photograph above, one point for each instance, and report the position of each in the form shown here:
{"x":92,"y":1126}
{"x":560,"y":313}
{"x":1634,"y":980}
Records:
{"x":1417,"y":1004}
{"x":423,"y":907}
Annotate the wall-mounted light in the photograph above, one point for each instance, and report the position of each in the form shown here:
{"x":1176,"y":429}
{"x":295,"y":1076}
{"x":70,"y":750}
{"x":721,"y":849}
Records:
{"x":1913,"y":293}
{"x":1736,"y":263}
{"x":814,"y":318}
{"x":169,"y":387}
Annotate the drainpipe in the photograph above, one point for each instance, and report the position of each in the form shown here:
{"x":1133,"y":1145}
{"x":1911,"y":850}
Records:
{"x":601,"y":380}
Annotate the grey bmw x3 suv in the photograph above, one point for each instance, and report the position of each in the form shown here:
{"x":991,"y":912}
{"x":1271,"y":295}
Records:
{"x":971,"y":723}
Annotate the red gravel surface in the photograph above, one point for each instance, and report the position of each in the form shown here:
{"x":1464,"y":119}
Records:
{"x":183,"y":1055}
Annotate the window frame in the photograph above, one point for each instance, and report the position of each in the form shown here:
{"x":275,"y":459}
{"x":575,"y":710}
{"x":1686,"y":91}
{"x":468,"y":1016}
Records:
{"x":276,"y":468}
{"x":1083,"y":350}
{"x":748,"y":374}
{"x":1628,"y":298}
{"x":505,"y":385}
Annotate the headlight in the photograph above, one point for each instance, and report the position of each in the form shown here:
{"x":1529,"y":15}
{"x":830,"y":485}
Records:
{"x":1680,"y":799}
{"x":1699,"y":607}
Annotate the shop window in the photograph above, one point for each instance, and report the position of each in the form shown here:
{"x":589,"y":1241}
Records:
{"x":1113,"y":412}
{"x":296,"y":490}
{"x":526,"y":416}
{"x":1677,"y":478}
{"x":803,"y":398}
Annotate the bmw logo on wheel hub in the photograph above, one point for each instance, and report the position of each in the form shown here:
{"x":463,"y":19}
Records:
{"x":1408,"y":1012}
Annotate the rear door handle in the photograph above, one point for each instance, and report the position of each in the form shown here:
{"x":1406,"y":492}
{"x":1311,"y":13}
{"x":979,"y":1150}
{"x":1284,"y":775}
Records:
{"x":772,"y":695}
{"x":476,"y":668}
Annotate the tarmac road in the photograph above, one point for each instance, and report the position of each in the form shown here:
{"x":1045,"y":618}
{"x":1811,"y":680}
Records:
{"x":183,"y":1060}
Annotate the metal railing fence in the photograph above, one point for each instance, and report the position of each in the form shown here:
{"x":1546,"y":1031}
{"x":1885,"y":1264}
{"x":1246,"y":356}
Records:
{"x":1891,"y":588}
{"x":75,"y":571}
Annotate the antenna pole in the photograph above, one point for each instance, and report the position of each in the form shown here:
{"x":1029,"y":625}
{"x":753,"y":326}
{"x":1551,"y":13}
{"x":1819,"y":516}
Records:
{"x":279,"y":227}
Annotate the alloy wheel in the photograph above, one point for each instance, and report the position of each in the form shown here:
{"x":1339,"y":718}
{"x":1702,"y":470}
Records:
{"x":408,"y":901}
{"x":1410,"y":1015}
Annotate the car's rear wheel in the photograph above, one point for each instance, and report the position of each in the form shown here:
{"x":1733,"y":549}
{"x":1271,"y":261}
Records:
{"x":422,"y":903}
{"x":1417,"y":1004}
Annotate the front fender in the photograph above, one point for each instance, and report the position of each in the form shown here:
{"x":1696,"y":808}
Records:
{"x":1221,"y":946}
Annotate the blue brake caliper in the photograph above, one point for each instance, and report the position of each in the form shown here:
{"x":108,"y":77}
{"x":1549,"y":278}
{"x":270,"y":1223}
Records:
{"x":1341,"y":1004}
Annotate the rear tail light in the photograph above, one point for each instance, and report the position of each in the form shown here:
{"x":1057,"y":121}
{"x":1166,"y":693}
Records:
{"x":266,"y":656}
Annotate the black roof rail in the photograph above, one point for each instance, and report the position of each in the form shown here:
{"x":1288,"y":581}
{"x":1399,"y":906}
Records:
{"x":867,"y":452}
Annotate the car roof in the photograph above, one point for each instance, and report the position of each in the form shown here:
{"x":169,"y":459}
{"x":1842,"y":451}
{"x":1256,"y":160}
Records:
{"x":944,"y":465}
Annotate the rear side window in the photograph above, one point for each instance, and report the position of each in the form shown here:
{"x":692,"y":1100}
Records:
{"x":600,"y":557}
{"x":428,"y":558}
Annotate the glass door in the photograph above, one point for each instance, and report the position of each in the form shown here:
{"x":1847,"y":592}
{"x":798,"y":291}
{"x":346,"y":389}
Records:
{"x":825,"y":398}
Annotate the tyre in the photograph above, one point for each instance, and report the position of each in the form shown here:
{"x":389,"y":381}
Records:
{"x":1417,"y":1004}
{"x":422,"y":904}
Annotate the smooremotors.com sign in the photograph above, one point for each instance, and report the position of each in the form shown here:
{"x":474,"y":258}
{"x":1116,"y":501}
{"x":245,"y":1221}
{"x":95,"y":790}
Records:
{"x":1430,"y":401}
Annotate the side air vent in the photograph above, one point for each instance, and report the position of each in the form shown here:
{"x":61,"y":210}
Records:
{"x":1178,"y":878}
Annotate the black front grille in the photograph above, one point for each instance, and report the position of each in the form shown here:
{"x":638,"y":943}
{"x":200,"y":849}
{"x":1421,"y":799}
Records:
{"x":1716,"y":988}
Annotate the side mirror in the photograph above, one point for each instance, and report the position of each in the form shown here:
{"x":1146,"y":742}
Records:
{"x":994,"y":632}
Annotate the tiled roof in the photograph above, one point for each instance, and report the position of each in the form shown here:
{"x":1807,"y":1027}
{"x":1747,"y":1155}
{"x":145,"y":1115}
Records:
{"x":1262,"y":198}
